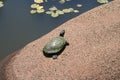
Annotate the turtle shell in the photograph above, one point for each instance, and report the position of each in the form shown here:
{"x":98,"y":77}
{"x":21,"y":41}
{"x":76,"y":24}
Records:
{"x":55,"y":45}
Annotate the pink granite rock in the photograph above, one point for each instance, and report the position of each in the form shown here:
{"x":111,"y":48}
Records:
{"x":93,"y":53}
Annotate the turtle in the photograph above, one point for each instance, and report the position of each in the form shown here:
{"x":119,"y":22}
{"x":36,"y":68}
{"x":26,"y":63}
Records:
{"x":55,"y":46}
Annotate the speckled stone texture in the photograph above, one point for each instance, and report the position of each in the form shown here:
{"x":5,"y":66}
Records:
{"x":93,"y":53}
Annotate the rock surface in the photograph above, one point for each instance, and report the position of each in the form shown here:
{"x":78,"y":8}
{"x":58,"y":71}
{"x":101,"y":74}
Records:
{"x":93,"y":53}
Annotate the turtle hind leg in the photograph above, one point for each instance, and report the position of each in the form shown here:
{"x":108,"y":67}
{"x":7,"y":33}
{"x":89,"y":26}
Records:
{"x":67,"y":43}
{"x":55,"y":56}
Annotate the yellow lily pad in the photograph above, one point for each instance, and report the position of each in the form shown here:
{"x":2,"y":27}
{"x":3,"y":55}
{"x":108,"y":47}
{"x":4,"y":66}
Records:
{"x":38,"y":1}
{"x":54,"y":15}
{"x":59,"y":12}
{"x":48,"y":12}
{"x":76,"y":11}
{"x":1,"y":2}
{"x":40,"y":7}
{"x":79,"y":5}
{"x":71,"y":9}
{"x":62,"y":1}
{"x":33,"y":11}
{"x":40,"y":10}
{"x":102,"y":1}
{"x":53,"y":8}
{"x":34,"y":5}
{"x":1,"y":5}
{"x":66,"y":10}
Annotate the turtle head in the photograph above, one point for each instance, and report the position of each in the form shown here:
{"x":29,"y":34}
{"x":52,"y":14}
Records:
{"x":62,"y":33}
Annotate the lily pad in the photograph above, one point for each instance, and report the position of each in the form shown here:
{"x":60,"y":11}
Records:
{"x":71,"y":9}
{"x":76,"y":11}
{"x":60,"y":12}
{"x":38,"y":1}
{"x":33,"y":11}
{"x":40,"y":11}
{"x":66,"y":10}
{"x":79,"y":5}
{"x":102,"y":1}
{"x":40,"y":7}
{"x":62,"y":1}
{"x":53,"y":8}
{"x":54,"y":15}
{"x":1,"y":4}
{"x":34,"y":5}
{"x":49,"y":12}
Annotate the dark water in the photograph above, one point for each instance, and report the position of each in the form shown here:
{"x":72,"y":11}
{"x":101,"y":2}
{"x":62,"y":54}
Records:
{"x":18,"y":27}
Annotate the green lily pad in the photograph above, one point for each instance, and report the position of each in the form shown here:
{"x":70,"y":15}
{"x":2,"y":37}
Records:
{"x":102,"y":1}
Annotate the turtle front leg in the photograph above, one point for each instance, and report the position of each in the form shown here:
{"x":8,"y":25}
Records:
{"x":55,"y":56}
